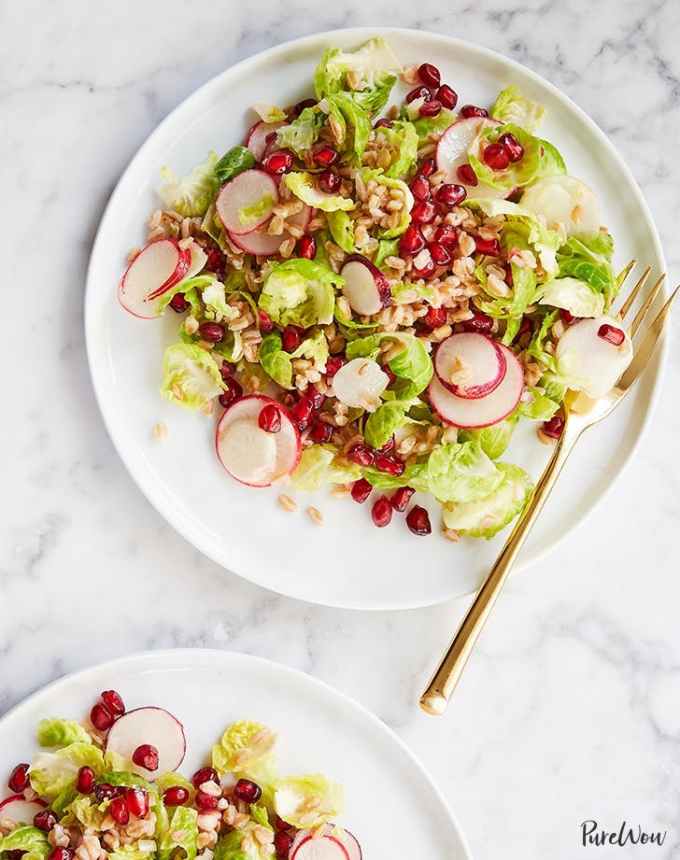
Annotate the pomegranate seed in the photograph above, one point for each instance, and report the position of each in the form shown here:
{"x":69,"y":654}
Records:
{"x":205,"y":774}
{"x":211,"y":331}
{"x":381,"y":512}
{"x":431,"y":108}
{"x":489,"y":247}
{"x":450,"y":195}
{"x":215,"y":260}
{"x":428,"y":167}
{"x":278,"y":162}
{"x":301,"y":412}
{"x":496,"y":156}
{"x":361,"y":490}
{"x":329,"y":181}
{"x":447,"y":97}
{"x":321,"y":432}
{"x":333,"y":365}
{"x":423,"y":212}
{"x":383,"y":123}
{"x":269,"y":419}
{"x":566,"y":317}
{"x":440,"y":256}
{"x":248,"y":791}
{"x":401,"y":498}
{"x":307,"y":247}
{"x":60,"y":854}
{"x":325,"y":156}
{"x":434,"y":318}
{"x":446,"y":234}
{"x":118,"y":810}
{"x":105,"y":791}
{"x":178,"y":303}
{"x":44,"y":820}
{"x":421,"y":187}
{"x":291,"y":338}
{"x":611,"y":334}
{"x":411,"y":241}
{"x":114,"y":702}
{"x":300,"y":106}
{"x":101,"y":718}
{"x":480,"y":323}
{"x":18,"y":779}
{"x":426,"y":270}
{"x":512,"y":146}
{"x":390,"y":465}
{"x":318,"y":399}
{"x":86,"y":780}
{"x":429,"y":75}
{"x":361,"y":454}
{"x":137,"y":801}
{"x":205,"y":802}
{"x":283,"y":842}
{"x":176,"y":795}
{"x":468,"y":111}
{"x":418,"y":521}
{"x":266,"y":325}
{"x":418,"y":93}
{"x":233,"y":392}
{"x":387,"y":447}
{"x":467,"y":175}
{"x":146,"y":756}
{"x":554,"y":427}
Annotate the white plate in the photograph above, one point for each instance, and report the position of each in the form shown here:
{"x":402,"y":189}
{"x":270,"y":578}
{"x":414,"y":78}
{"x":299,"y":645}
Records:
{"x":243,"y":529}
{"x":391,"y":805}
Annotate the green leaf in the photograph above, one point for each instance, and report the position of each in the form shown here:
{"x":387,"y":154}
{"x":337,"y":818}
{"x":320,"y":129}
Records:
{"x":552,"y":163}
{"x":192,"y":195}
{"x":381,"y":424}
{"x":53,"y":772}
{"x":191,"y":376}
{"x":588,"y":258}
{"x":61,"y":733}
{"x":539,"y":407}
{"x":517,"y":174}
{"x":321,"y":465}
{"x":302,"y":186}
{"x":372,"y":65}
{"x":301,"y":134}
{"x":356,"y":123}
{"x":436,"y":125}
{"x":386,"y":248}
{"x":401,"y":139}
{"x":536,"y":348}
{"x":300,"y":292}
{"x":246,"y":749}
{"x":276,"y":361}
{"x":341,"y":227}
{"x":574,"y":296}
{"x":30,"y":840}
{"x":233,"y":162}
{"x":414,"y":475}
{"x":182,"y":833}
{"x":307,"y":801}
{"x":412,"y":365}
{"x":492,"y":440}
{"x":461,"y":472}
{"x":512,"y":107}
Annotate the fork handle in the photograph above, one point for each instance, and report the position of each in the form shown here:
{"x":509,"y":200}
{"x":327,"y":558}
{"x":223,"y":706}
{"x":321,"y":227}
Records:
{"x":436,"y":697}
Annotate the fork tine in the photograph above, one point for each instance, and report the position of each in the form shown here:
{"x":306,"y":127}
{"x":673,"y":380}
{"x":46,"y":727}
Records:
{"x":633,"y":294}
{"x":623,"y":274}
{"x":646,"y":305}
{"x":644,"y":351}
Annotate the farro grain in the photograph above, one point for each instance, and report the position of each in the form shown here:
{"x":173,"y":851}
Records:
{"x":287,"y":503}
{"x":160,"y":431}
{"x":315,"y":515}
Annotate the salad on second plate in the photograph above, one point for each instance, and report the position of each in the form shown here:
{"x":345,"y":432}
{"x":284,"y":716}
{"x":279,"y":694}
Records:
{"x":375,"y":292}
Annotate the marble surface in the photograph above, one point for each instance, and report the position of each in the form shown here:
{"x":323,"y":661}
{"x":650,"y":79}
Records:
{"x":570,"y":709}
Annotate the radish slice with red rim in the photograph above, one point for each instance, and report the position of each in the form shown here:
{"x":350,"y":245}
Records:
{"x":452,"y":153}
{"x":470,"y":365}
{"x":484,"y":411}
{"x":311,"y":847}
{"x":19,"y":810}
{"x":349,"y":842}
{"x":149,"y":725}
{"x":158,"y":267}
{"x":246,"y":201}
{"x":366,"y":288}
{"x":262,"y":243}
{"x":256,"y":139}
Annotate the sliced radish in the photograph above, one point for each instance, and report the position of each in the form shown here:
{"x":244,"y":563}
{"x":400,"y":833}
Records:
{"x":148,"y":726}
{"x":19,"y":810}
{"x":359,"y":384}
{"x":308,"y":846}
{"x":250,"y":454}
{"x":262,"y":243}
{"x":366,"y":288}
{"x":157,"y":268}
{"x":590,"y":362}
{"x":470,"y":365}
{"x":564,"y":202}
{"x":484,"y":411}
{"x":256,"y":138}
{"x":246,"y":201}
{"x":348,"y":841}
{"x":452,"y":152}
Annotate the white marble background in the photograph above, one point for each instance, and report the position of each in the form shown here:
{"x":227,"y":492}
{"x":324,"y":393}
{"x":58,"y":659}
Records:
{"x":570,"y":708}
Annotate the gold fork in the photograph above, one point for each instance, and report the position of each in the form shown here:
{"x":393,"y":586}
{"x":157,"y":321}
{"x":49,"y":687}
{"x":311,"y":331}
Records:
{"x":580,"y":413}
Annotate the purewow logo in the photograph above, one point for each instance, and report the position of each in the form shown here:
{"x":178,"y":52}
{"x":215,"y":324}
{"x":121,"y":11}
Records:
{"x":627,"y":834}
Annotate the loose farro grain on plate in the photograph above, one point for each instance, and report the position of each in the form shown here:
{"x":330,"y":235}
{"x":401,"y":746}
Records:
{"x":385,"y":234}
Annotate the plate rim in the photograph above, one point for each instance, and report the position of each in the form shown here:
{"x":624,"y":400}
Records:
{"x":228,"y":655}
{"x":155,"y":498}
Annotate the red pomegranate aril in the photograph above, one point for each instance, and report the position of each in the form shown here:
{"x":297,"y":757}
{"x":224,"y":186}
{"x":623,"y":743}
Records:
{"x":434,"y":318}
{"x":211,"y":331}
{"x":114,"y":702}
{"x":118,"y":811}
{"x":362,"y":455}
{"x":105,"y":791}
{"x":446,"y":234}
{"x":307,"y":247}
{"x":205,"y":802}
{"x":85,"y":780}
{"x":361,"y":490}
{"x":178,"y":303}
{"x":248,"y":791}
{"x":324,"y":156}
{"x":266,"y":325}
{"x":440,"y":256}
{"x":278,"y":162}
{"x":431,"y":108}
{"x":176,"y":795}
{"x":146,"y":756}
{"x":291,"y":338}
{"x":18,"y":779}
{"x":381,"y":512}
{"x":426,"y":270}
{"x":418,"y":93}
{"x":269,"y":418}
{"x":566,"y":316}
{"x":411,"y":241}
{"x":467,"y":175}
{"x":101,"y":718}
{"x":447,"y":97}
{"x":283,"y":842}
{"x":233,"y":392}
{"x":329,"y":181}
{"x":44,"y":820}
{"x":468,"y":111}
{"x":496,"y":156}
{"x":429,"y":75}
{"x":60,"y":853}
{"x":610,"y":333}
{"x":428,"y":167}
{"x":205,"y":774}
{"x":480,"y":323}
{"x":300,"y":106}
{"x":420,"y":188}
{"x":215,"y":260}
{"x":318,"y":399}
{"x":388,"y":447}
{"x":554,"y":427}
{"x":137,"y":801}
{"x":333,"y":365}
{"x":301,"y":412}
{"x":383,"y":123}
{"x":423,"y":212}
{"x":488,"y":247}
{"x":401,"y":498}
{"x":418,"y":521}
{"x":450,"y":194}
{"x":513,"y":147}
{"x":321,"y":433}
{"x":390,"y":465}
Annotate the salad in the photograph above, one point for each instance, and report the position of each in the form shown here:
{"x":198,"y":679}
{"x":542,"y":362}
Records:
{"x":109,"y":787}
{"x":377,"y":286}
